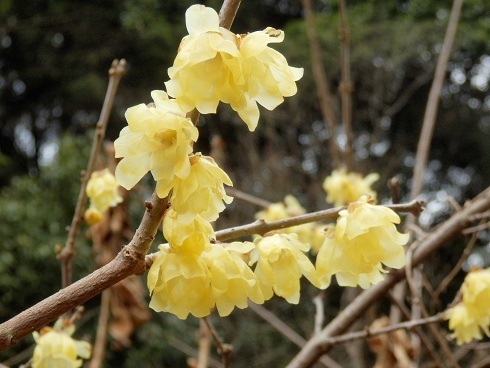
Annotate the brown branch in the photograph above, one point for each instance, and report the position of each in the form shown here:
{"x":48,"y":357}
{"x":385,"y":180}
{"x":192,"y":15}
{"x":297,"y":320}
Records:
{"x":236,"y":193}
{"x":100,"y":345}
{"x":191,"y":352}
{"x":368,"y":333}
{"x":433,"y":100}
{"x":131,"y":260}
{"x":345,"y":87}
{"x":261,"y":227}
{"x":223,"y":349}
{"x":228,"y":12}
{"x":117,"y":70}
{"x":445,"y":282}
{"x":204,"y":344}
{"x":319,"y":312}
{"x":321,"y":83}
{"x":452,"y":227}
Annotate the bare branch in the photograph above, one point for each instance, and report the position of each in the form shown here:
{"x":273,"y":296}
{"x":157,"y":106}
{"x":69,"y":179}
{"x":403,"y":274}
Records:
{"x":433,"y":100}
{"x":261,"y":227}
{"x":248,"y":197}
{"x":368,"y":333}
{"x":321,"y":83}
{"x":117,"y":70}
{"x":100,"y":344}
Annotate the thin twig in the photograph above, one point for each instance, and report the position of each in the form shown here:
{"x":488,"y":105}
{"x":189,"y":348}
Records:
{"x":117,"y":70}
{"x":223,"y":349}
{"x":345,"y":87}
{"x":100,"y":344}
{"x":228,"y":12}
{"x":429,"y":120}
{"x":247,"y":197}
{"x":321,"y":82}
{"x":204,"y":344}
{"x":368,"y":333}
{"x":190,"y":351}
{"x":433,"y":100}
{"x":319,"y":312}
{"x":451,"y":275}
{"x":261,"y":227}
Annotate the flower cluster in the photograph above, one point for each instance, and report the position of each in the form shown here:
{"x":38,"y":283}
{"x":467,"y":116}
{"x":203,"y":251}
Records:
{"x":102,"y":190}
{"x":55,"y":348}
{"x":343,"y":187}
{"x":472,"y":314}
{"x":364,"y":238}
{"x":214,"y":64}
{"x":192,"y":273}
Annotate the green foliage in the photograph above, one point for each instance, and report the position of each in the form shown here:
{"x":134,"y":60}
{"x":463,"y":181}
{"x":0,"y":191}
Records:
{"x":35,"y":212}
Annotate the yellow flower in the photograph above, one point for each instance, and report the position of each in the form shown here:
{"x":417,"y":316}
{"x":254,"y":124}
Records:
{"x":343,"y":187}
{"x":202,"y":73}
{"x":102,"y":190}
{"x":55,"y":348}
{"x":364,"y":238}
{"x":182,"y":282}
{"x":280,"y":262}
{"x":191,"y":233}
{"x":267,"y":76}
{"x":310,"y":233}
{"x":465,"y":327}
{"x":232,"y":280}
{"x":92,"y":216}
{"x":214,"y":64}
{"x":202,"y":192}
{"x":473,"y":312}
{"x":158,"y":139}
{"x":476,"y":291}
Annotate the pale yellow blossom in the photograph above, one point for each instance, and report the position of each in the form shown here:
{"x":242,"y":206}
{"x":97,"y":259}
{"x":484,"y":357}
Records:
{"x":281,"y":261}
{"x":343,"y":188}
{"x":55,"y":348}
{"x":193,"y":233}
{"x":364,"y":238}
{"x":202,"y":73}
{"x":92,"y":216}
{"x":232,"y":280}
{"x":182,"y":282}
{"x":214,"y":64}
{"x":202,"y":192}
{"x":159,"y":139}
{"x":472,"y":315}
{"x":103,"y":192}
{"x":267,"y":76}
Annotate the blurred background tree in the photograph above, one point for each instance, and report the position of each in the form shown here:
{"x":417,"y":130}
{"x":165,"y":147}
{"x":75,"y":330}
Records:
{"x":54,"y":57}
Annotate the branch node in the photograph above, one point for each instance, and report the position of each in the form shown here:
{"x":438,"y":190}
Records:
{"x":148,"y":205}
